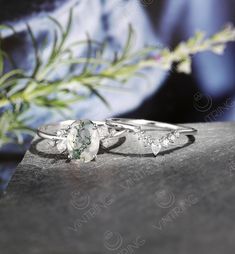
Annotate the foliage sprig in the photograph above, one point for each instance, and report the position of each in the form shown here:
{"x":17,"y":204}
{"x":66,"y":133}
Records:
{"x":19,"y":90}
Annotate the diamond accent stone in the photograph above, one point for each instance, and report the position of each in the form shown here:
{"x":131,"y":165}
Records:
{"x":171,"y":137}
{"x":103,"y":131}
{"x":177,"y":134}
{"x":165,"y":142}
{"x":156,"y":148}
{"x":61,"y":145}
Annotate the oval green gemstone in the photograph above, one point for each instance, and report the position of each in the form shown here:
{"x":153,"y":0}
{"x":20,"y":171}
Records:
{"x":83,"y":141}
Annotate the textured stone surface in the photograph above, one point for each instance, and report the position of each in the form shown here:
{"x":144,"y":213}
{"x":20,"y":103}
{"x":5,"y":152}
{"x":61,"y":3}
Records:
{"x":127,"y":201}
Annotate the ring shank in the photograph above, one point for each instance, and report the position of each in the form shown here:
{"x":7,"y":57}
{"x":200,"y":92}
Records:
{"x":44,"y":133}
{"x":121,"y":124}
{"x":135,"y":124}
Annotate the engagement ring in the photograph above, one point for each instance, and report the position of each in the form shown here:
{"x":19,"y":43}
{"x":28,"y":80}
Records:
{"x":81,"y":139}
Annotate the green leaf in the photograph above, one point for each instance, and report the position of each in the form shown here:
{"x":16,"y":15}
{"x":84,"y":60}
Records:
{"x":89,"y":52}
{"x":3,"y":27}
{"x":7,"y":27}
{"x":10,"y":74}
{"x":53,"y":103}
{"x":96,"y":92}
{"x":57,"y":23}
{"x":128,"y":44}
{"x":69,"y":23}
{"x":1,"y":62}
{"x":54,"y":48}
{"x":36,"y":51}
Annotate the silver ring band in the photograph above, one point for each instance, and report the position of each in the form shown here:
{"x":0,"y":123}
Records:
{"x":140,"y":126}
{"x":65,"y":125}
{"x":136,"y":124}
{"x":81,"y":139}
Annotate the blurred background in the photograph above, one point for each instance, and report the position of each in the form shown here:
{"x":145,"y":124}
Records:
{"x":208,"y":94}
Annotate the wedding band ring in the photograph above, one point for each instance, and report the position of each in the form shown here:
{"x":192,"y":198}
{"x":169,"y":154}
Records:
{"x":140,"y":127}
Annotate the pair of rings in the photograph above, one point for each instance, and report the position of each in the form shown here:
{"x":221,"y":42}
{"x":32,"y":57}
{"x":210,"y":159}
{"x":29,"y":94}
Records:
{"x":81,"y":139}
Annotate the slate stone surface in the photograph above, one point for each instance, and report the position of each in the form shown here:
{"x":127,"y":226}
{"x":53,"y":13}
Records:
{"x":126,"y":201}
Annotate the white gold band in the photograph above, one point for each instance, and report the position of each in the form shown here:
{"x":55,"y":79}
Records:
{"x":136,"y":124}
{"x":140,"y":126}
{"x":45,"y":133}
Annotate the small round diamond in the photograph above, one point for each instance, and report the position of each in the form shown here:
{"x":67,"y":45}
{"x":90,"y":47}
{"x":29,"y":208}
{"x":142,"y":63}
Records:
{"x":104,"y":132}
{"x":177,"y":134}
{"x":59,"y":133}
{"x":171,"y":137}
{"x":150,"y":141}
{"x":165,"y":142}
{"x":140,"y":137}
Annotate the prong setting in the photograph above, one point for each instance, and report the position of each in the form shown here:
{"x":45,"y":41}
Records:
{"x":156,"y":145}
